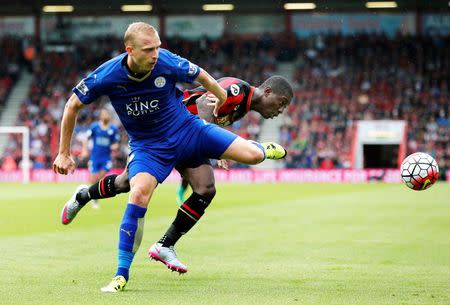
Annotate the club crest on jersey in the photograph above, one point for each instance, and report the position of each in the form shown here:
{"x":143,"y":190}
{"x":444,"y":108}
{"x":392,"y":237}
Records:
{"x":223,"y":120}
{"x":82,"y":87}
{"x":192,"y":69}
{"x":160,"y":82}
{"x":234,"y":89}
{"x":138,"y":107}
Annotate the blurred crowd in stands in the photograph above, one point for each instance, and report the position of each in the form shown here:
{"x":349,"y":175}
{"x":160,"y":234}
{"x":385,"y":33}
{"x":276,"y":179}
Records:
{"x":10,"y":65}
{"x":337,"y":80}
{"x":341,"y":79}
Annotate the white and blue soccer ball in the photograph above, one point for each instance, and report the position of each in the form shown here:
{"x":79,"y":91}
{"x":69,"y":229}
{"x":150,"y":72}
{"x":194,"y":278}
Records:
{"x":419,"y":171}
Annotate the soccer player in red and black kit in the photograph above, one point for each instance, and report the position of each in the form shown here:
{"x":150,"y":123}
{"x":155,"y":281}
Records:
{"x":240,"y":101}
{"x":269,"y":99}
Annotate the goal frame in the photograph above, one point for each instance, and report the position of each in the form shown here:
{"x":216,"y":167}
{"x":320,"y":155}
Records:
{"x":25,"y":131}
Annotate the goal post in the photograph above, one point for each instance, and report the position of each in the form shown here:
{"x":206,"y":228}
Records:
{"x":25,"y":131}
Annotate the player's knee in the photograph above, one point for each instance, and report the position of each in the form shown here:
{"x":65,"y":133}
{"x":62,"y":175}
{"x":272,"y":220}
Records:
{"x":140,"y":194}
{"x":122,"y":184}
{"x":208,"y":191}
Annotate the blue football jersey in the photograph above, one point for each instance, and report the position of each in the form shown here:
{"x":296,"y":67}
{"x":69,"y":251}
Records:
{"x":102,"y":139}
{"x":149,"y":108}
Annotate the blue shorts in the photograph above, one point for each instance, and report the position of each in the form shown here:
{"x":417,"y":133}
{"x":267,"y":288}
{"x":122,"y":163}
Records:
{"x":97,"y":166}
{"x":191,"y":147}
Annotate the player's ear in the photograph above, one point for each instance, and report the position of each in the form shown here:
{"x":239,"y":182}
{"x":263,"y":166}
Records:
{"x":267,"y":90}
{"x":287,"y":99}
{"x":129,"y":49}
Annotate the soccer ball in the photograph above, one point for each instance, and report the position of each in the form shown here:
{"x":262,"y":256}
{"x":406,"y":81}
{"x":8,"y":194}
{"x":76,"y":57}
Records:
{"x":419,"y":171}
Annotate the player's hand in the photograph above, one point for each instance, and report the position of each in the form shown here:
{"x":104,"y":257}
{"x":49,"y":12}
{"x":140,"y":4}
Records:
{"x":219,"y":102}
{"x":214,"y":101}
{"x":84,"y":154}
{"x":63,"y":164}
{"x":222,"y":164}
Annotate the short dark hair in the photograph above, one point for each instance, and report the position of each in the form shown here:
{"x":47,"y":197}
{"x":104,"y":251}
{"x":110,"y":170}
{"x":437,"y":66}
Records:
{"x":279,"y":85}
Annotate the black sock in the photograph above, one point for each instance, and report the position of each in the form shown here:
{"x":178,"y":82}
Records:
{"x":171,"y":237}
{"x":104,"y":188}
{"x":83,"y":197}
{"x":187,"y":216}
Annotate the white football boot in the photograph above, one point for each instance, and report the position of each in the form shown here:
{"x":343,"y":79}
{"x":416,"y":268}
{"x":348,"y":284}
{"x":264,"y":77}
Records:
{"x":72,"y":207}
{"x":167,"y":256}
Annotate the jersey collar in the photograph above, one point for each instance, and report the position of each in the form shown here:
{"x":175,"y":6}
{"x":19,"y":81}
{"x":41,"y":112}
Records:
{"x":139,"y":79}
{"x":249,"y":99}
{"x":136,"y":79}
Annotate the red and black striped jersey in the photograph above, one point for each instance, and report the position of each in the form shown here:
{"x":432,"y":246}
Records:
{"x":239,"y":96}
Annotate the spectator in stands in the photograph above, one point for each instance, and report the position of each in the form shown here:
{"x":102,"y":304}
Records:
{"x":9,"y":164}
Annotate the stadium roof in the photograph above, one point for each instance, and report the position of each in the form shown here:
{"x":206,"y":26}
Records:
{"x":101,"y":7}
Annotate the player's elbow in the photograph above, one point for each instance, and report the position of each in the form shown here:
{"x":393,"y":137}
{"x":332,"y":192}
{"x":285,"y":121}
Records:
{"x":74,"y":104}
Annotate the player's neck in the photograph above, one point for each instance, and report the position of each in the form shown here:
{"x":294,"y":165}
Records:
{"x":133,"y":69}
{"x":104,"y":125}
{"x":255,"y":103}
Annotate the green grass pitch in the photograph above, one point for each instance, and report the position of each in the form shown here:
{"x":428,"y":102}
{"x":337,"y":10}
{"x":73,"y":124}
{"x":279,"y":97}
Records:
{"x":257,"y":244}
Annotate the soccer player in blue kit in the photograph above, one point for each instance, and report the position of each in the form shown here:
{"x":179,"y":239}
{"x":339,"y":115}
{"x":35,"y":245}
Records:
{"x":105,"y":137}
{"x":141,"y":87}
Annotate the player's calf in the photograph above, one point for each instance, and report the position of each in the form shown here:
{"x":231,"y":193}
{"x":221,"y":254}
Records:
{"x":194,"y":207}
{"x":104,"y":188}
{"x":187,"y":216}
{"x":244,"y":151}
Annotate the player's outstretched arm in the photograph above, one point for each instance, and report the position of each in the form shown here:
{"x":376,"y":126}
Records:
{"x":210,"y":84}
{"x":64,"y":163}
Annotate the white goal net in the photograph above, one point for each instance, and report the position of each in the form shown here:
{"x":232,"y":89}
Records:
{"x":25,"y":132}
